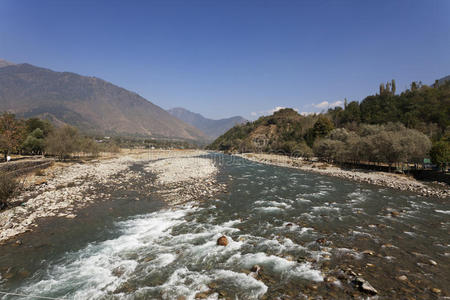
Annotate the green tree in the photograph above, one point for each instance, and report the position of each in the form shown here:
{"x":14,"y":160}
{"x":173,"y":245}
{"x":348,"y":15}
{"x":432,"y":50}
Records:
{"x":34,"y":143}
{"x":393,"y":86}
{"x":440,"y":154}
{"x":322,"y":127}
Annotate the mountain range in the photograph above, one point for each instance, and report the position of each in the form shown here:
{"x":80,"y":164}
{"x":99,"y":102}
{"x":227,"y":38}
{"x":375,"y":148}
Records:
{"x":89,"y":103}
{"x":213,"y":128}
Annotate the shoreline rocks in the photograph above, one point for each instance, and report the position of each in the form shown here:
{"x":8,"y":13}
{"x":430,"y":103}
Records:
{"x":68,"y":187}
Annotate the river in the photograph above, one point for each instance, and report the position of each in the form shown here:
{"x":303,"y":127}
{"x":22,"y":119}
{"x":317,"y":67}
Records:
{"x":311,"y":235}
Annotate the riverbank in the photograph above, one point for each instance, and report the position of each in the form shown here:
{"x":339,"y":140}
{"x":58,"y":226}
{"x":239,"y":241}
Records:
{"x":65,"y":188}
{"x":395,"y":181}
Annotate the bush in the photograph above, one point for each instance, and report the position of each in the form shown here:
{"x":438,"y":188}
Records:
{"x":8,"y":188}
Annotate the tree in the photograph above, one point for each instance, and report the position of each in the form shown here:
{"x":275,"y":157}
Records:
{"x":35,"y":123}
{"x":440,"y":154}
{"x":11,"y":133}
{"x":393,"y":86}
{"x":63,"y":142}
{"x":382,"y":88}
{"x":34,"y":143}
{"x":322,"y":127}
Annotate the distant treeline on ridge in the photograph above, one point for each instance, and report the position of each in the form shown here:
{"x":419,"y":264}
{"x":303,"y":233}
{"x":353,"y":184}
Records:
{"x":383,"y":128}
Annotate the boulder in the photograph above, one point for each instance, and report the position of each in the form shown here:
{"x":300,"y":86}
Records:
{"x":255,"y":268}
{"x":222,"y":241}
{"x":365,"y":286}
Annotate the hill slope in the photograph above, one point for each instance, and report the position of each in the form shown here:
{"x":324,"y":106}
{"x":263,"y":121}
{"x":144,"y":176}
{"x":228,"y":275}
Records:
{"x":212,"y":128}
{"x":423,"y":108}
{"x":281,"y":131}
{"x":89,"y":103}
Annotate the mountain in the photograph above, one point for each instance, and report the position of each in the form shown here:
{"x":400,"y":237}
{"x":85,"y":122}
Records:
{"x":212,"y":128}
{"x":444,"y":80}
{"x":91,"y":104}
{"x":4,"y":63}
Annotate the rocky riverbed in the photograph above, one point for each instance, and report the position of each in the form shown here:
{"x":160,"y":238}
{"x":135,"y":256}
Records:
{"x":396,"y":181}
{"x":276,"y":233}
{"x":65,"y":188}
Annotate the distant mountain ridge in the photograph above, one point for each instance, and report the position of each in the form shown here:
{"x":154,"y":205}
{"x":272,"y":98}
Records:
{"x":4,"y":63}
{"x":89,"y":103}
{"x":212,"y":128}
{"x":444,"y":80}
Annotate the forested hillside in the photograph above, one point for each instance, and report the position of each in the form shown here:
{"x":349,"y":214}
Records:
{"x":386,"y":127}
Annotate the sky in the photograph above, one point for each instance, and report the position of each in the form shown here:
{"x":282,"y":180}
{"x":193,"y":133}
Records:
{"x":226,"y":58}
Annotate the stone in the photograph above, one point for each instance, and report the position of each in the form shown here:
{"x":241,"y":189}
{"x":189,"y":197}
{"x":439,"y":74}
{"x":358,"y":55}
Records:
{"x":402,"y":278}
{"x":365,"y":286}
{"x":369,"y":252}
{"x":432,"y":262}
{"x":395,"y":213}
{"x":321,"y":241}
{"x":212,"y":285}
{"x":222,"y":241}
{"x":330,"y":279}
{"x":202,"y":295}
{"x":436,"y":290}
{"x":255,"y":268}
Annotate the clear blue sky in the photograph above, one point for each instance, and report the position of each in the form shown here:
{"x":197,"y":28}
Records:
{"x":224,"y":58}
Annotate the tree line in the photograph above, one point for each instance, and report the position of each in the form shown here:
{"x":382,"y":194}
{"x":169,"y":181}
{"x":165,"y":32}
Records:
{"x":35,"y":136}
{"x":384,"y":128}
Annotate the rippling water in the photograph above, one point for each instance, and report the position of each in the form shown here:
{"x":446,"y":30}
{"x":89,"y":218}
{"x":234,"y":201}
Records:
{"x":301,"y":228}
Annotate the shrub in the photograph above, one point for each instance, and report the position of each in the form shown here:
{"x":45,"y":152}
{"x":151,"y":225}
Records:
{"x":8,"y":188}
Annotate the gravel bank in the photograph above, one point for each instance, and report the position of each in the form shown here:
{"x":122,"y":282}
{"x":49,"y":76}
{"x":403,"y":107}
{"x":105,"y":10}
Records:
{"x":396,"y":181}
{"x":184,"y":179}
{"x":65,"y":188}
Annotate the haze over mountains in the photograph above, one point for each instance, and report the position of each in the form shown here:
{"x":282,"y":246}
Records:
{"x":89,"y":103}
{"x":212,"y":128}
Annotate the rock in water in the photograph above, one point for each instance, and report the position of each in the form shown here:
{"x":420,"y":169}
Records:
{"x":222,"y":241}
{"x":365,"y":286}
{"x":255,"y":269}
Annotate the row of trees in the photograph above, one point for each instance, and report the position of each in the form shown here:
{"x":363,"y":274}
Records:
{"x":383,"y":128}
{"x":421,"y":107}
{"x":35,"y":136}
{"x":392,"y":143}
